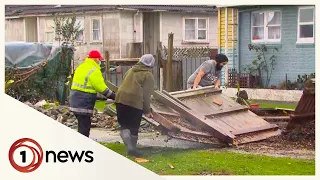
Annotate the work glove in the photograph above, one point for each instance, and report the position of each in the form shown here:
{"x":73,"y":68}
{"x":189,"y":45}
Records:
{"x":113,"y":96}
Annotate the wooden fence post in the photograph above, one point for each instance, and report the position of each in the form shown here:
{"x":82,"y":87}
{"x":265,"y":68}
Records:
{"x":169,"y":78}
{"x":107,"y":67}
{"x":160,"y":64}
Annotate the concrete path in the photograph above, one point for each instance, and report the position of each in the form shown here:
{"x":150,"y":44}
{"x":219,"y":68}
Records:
{"x":153,"y":139}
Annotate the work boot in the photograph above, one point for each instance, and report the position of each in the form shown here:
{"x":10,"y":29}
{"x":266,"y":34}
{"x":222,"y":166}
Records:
{"x":130,"y":144}
{"x":134,"y":140}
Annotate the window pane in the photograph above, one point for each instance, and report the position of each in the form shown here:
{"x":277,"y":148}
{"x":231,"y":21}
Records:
{"x":190,"y":32}
{"x":274,"y":18}
{"x":80,"y":37}
{"x":257,"y":19}
{"x":306,"y":31}
{"x":274,"y":32}
{"x":96,"y":35}
{"x":257,"y":33}
{"x":79,"y":24}
{"x":202,"y":34}
{"x":202,"y":23}
{"x":96,"y":24}
{"x":306,"y":15}
{"x":190,"y":24}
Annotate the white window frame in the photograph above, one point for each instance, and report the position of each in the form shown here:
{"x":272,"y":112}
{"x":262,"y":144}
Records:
{"x":265,"y":28}
{"x":305,"y":40}
{"x":196,"y":30}
{"x":46,"y":31}
{"x":81,"y":20}
{"x":100,"y":29}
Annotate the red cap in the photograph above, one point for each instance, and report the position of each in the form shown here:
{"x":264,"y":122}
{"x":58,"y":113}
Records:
{"x":95,"y":54}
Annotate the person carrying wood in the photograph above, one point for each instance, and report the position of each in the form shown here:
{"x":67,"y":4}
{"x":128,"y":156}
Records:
{"x":87,"y":82}
{"x":133,"y":100}
{"x":208,"y":73}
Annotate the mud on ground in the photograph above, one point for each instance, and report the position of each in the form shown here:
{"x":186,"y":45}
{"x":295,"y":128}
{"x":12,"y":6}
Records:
{"x":298,"y":143}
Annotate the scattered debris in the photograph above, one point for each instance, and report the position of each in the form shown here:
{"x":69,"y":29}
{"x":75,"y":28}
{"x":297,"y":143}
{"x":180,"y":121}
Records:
{"x":141,"y":160}
{"x":40,"y":103}
{"x":171,"y":166}
{"x":222,"y":172}
{"x":217,"y":101}
{"x":63,"y":115}
{"x":298,"y":142}
{"x":304,"y":135}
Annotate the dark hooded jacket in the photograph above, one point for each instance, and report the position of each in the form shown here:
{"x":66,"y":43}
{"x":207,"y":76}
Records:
{"x":136,"y":88}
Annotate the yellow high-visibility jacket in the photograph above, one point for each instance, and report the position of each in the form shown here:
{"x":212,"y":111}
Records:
{"x":87,"y":82}
{"x":88,"y":78}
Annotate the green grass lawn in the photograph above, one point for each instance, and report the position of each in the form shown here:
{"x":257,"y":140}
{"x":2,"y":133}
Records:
{"x":275,"y":105}
{"x":197,"y":162}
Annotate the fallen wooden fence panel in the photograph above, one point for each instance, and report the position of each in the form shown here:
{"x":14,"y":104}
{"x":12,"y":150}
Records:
{"x":229,"y":117}
{"x":192,"y":115}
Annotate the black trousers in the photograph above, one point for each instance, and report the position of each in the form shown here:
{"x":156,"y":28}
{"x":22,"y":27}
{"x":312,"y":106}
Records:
{"x":84,"y":124}
{"x":129,"y":118}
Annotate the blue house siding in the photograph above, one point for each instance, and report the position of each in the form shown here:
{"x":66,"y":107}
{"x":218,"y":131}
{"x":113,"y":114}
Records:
{"x":291,"y":59}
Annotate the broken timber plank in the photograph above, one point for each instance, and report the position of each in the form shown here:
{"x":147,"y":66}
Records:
{"x":256,"y":129}
{"x":195,"y":92}
{"x":191,"y":116}
{"x":285,"y":118}
{"x":175,"y":99}
{"x":166,"y":113}
{"x":165,"y":123}
{"x":151,"y":121}
{"x":303,"y":116}
{"x":187,"y":137}
{"x":257,"y":136}
{"x":217,"y":101}
{"x":229,"y":110}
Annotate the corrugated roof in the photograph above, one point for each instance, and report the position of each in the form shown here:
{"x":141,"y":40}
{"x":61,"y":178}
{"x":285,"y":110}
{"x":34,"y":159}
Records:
{"x":21,"y":10}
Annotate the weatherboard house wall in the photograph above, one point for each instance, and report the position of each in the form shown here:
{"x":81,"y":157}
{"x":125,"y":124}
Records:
{"x":294,"y":57}
{"x":118,"y":26}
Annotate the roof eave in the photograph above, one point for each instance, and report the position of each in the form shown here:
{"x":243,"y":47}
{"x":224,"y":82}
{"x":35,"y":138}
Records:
{"x":117,"y":9}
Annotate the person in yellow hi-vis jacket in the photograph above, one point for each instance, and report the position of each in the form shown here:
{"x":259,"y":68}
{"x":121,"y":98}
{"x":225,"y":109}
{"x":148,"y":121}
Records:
{"x":87,"y":82}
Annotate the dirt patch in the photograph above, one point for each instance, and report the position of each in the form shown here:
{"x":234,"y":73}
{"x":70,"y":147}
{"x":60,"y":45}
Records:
{"x":296,"y":143}
{"x":208,"y":173}
{"x":303,"y":134}
{"x":276,"y":149}
{"x":206,"y":140}
{"x":271,"y":112}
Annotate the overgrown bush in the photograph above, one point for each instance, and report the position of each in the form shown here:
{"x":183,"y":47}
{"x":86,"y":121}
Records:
{"x":302,"y":82}
{"x":44,"y":81}
{"x":262,"y":65}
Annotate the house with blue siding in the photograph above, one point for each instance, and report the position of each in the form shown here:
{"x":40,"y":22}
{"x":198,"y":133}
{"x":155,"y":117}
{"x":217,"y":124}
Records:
{"x":289,"y":28}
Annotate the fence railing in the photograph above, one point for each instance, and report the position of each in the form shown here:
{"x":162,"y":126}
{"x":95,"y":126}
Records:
{"x":245,"y":80}
{"x":116,"y":76}
{"x":185,"y":61}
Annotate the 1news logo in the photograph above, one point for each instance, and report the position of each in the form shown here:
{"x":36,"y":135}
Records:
{"x":23,"y":161}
